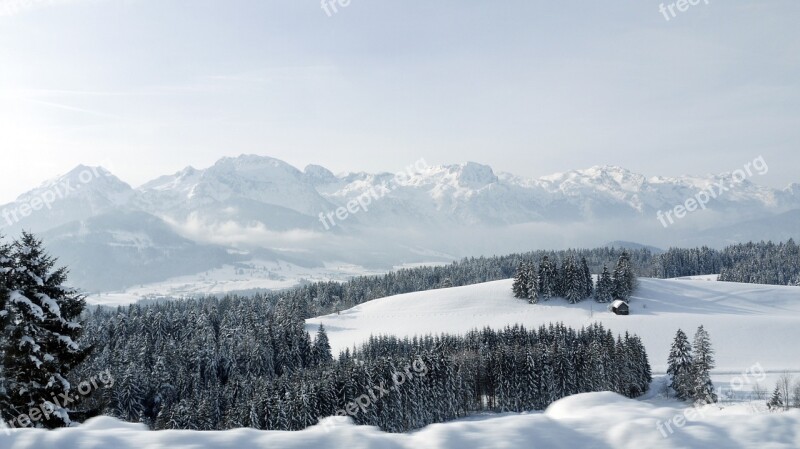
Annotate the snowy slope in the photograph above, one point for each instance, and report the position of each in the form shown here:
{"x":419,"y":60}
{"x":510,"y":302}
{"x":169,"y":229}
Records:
{"x":591,"y":420}
{"x":748,"y":323}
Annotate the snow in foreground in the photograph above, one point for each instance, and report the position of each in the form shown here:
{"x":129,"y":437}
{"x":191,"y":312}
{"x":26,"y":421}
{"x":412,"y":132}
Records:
{"x":596,"y":420}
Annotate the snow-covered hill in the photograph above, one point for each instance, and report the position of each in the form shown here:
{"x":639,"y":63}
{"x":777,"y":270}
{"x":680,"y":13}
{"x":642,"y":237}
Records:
{"x":590,"y":420}
{"x":748,"y":323}
{"x":429,"y":214}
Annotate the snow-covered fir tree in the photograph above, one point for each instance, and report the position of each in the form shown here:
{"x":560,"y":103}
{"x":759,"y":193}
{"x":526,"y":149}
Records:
{"x":604,"y":292}
{"x":680,"y":367}
{"x":526,"y":282}
{"x":40,"y":335}
{"x":624,"y":278}
{"x":702,"y":364}
{"x":532,"y":283}
{"x":547,"y":278}
{"x":6,"y":267}
{"x":520,"y":284}
{"x":321,"y":350}
{"x":776,"y":402}
{"x":588,"y":284}
{"x":572,"y":281}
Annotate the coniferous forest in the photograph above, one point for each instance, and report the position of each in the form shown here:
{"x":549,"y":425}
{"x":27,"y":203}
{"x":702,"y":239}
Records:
{"x":755,"y":263}
{"x":763,"y":263}
{"x":573,"y":281}
{"x":218,"y":363}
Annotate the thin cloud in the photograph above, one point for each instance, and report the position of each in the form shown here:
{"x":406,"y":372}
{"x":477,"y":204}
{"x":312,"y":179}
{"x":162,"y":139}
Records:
{"x":73,"y":108}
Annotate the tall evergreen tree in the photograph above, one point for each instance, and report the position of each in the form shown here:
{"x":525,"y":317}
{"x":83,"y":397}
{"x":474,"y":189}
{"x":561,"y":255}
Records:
{"x":520,"y":285}
{"x":624,"y":278}
{"x":41,"y":335}
{"x":532,"y":283}
{"x":321,"y":349}
{"x":605,"y":286}
{"x":680,"y":367}
{"x":572,"y":281}
{"x":6,"y":268}
{"x":547,"y":278}
{"x":588,"y":284}
{"x":775,"y":402}
{"x":702,"y":364}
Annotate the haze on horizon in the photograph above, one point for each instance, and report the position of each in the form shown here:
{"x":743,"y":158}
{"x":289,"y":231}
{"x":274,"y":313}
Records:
{"x":531,"y":88}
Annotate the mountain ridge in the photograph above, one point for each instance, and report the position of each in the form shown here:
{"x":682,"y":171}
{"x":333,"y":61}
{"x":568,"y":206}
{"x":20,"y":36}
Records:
{"x":250,"y":203}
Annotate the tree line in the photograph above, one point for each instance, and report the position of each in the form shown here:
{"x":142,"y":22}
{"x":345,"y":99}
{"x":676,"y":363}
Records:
{"x":752,"y":262}
{"x":218,"y":363}
{"x":321,"y":298}
{"x":763,"y":262}
{"x":573,"y":281}
{"x":195,"y":363}
{"x":198,"y":374}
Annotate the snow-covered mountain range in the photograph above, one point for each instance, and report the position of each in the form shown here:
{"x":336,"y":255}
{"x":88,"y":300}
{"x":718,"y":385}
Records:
{"x":259,"y":207}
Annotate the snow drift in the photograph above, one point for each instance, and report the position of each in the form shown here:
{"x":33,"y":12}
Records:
{"x":596,"y":420}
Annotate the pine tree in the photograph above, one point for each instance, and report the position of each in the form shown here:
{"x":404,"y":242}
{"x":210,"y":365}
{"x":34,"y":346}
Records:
{"x":547,"y":279}
{"x":775,"y":402}
{"x":520,"y":285}
{"x":128,"y":396}
{"x":571,"y":278}
{"x":42,"y":333}
{"x":6,"y":267}
{"x":532,"y":284}
{"x":680,"y":366}
{"x":321,"y":349}
{"x":702,"y":364}
{"x":560,"y":278}
{"x":624,"y":278}
{"x":588,"y":284}
{"x":604,"y":291}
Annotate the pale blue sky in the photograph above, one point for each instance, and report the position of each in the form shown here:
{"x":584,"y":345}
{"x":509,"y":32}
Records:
{"x":147,"y":87}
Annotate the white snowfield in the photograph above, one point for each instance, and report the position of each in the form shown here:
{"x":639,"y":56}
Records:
{"x":748,"y":323}
{"x":592,"y":420}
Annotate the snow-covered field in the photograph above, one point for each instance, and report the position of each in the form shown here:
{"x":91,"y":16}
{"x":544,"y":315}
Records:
{"x":749,"y":324}
{"x":592,"y":420}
